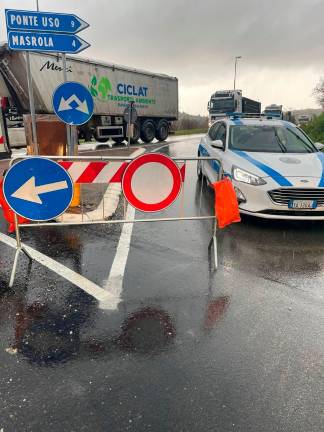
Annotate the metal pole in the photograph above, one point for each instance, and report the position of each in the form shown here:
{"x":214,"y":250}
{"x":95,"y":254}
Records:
{"x":129,"y":131}
{"x":70,"y":149}
{"x":215,"y":245}
{"x":129,"y":122}
{"x":32,"y":106}
{"x":37,"y":5}
{"x":18,"y":249}
{"x":235,"y":69}
{"x":235,"y":73}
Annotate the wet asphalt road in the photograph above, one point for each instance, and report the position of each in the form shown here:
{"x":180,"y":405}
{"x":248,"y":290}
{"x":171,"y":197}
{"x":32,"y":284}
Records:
{"x":188,"y":349}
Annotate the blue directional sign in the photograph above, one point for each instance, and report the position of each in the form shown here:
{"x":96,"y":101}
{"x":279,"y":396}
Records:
{"x":73,"y":103}
{"x":44,"y":21}
{"x":46,"y":42}
{"x":38,"y":189}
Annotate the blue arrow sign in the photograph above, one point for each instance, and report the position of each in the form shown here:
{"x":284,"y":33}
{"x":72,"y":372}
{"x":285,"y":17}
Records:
{"x":38,"y":189}
{"x":46,"y":42}
{"x":44,"y":21}
{"x":73,"y":103}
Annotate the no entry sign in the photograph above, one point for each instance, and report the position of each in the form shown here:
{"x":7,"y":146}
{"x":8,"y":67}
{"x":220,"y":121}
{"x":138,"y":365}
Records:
{"x":152,"y":182}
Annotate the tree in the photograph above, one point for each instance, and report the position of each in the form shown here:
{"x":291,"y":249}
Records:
{"x":319,"y":92}
{"x":315,"y":128}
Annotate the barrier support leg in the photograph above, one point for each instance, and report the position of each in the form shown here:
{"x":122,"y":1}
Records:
{"x":14,"y":268}
{"x":215,"y":245}
{"x":19,"y":249}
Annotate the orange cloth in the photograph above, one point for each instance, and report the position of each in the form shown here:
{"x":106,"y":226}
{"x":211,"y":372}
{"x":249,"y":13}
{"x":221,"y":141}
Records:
{"x":8,"y":213}
{"x":226,"y":205}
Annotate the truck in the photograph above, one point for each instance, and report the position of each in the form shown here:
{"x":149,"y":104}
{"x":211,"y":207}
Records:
{"x":113,"y":88}
{"x":224,"y":102}
{"x":303,"y":119}
{"x":274,"y":111}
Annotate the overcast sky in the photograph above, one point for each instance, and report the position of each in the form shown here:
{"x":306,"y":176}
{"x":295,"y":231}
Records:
{"x":281,"y":43}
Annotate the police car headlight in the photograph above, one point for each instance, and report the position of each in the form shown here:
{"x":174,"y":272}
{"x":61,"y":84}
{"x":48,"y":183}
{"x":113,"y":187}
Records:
{"x":246,"y":177}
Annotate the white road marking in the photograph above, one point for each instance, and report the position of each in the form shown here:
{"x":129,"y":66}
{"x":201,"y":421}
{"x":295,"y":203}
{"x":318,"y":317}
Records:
{"x":114,"y":284}
{"x":106,"y":300}
{"x":161,"y":147}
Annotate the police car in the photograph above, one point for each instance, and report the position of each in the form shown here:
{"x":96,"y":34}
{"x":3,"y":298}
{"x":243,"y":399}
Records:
{"x":276,"y":170}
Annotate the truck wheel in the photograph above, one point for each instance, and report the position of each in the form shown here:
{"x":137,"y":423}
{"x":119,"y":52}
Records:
{"x":136,"y":133}
{"x":162,"y":131}
{"x":148,"y":131}
{"x":88,"y":135}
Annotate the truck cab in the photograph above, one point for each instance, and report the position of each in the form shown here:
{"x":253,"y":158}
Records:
{"x":222,"y":102}
{"x":274,"y":111}
{"x":225,"y":102}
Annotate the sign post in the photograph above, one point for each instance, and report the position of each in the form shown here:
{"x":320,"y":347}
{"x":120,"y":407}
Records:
{"x":44,"y":32}
{"x":32,"y":106}
{"x":130,"y":116}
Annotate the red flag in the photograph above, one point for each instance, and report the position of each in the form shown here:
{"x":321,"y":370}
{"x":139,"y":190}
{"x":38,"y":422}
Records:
{"x":226,"y":205}
{"x":8,"y":213}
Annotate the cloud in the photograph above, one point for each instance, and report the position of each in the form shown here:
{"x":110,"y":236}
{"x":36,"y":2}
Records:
{"x":281,"y":42}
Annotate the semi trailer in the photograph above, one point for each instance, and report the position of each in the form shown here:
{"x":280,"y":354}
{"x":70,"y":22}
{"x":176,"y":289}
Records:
{"x":113,"y":87}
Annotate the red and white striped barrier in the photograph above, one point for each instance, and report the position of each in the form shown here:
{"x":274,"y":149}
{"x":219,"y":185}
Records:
{"x":102,"y":172}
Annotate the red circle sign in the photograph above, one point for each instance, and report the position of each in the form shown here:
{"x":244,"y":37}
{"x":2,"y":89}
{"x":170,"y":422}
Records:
{"x":151,"y":182}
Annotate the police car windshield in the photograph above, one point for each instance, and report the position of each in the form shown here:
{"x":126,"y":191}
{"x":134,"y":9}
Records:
{"x":269,"y":139}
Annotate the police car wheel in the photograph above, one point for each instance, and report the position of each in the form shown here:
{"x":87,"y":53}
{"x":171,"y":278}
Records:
{"x":199,"y":169}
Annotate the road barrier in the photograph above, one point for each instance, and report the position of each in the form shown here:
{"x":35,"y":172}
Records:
{"x":150,"y":183}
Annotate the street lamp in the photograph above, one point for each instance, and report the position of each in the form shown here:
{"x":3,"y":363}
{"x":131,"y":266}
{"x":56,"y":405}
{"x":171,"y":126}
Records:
{"x":236,"y":58}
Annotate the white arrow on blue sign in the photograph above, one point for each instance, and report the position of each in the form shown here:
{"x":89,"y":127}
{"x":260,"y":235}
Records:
{"x":73,"y":103}
{"x":44,"y":21}
{"x":38,"y":189}
{"x":46,"y":42}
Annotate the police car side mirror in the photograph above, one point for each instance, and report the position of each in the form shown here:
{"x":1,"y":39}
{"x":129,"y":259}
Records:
{"x":319,"y":146}
{"x":217,"y":144}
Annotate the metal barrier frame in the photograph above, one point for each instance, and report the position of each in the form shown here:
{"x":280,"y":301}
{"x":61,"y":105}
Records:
{"x":20,"y":248}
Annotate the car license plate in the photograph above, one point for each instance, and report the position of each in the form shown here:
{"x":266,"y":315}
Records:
{"x":302,"y":204}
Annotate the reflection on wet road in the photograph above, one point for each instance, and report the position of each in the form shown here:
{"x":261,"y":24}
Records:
{"x":188,"y":349}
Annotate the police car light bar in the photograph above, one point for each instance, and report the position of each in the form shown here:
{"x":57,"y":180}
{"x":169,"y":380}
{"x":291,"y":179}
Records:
{"x":235,"y":115}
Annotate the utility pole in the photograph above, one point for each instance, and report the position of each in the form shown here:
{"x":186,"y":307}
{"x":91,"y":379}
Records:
{"x":236,"y":58}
